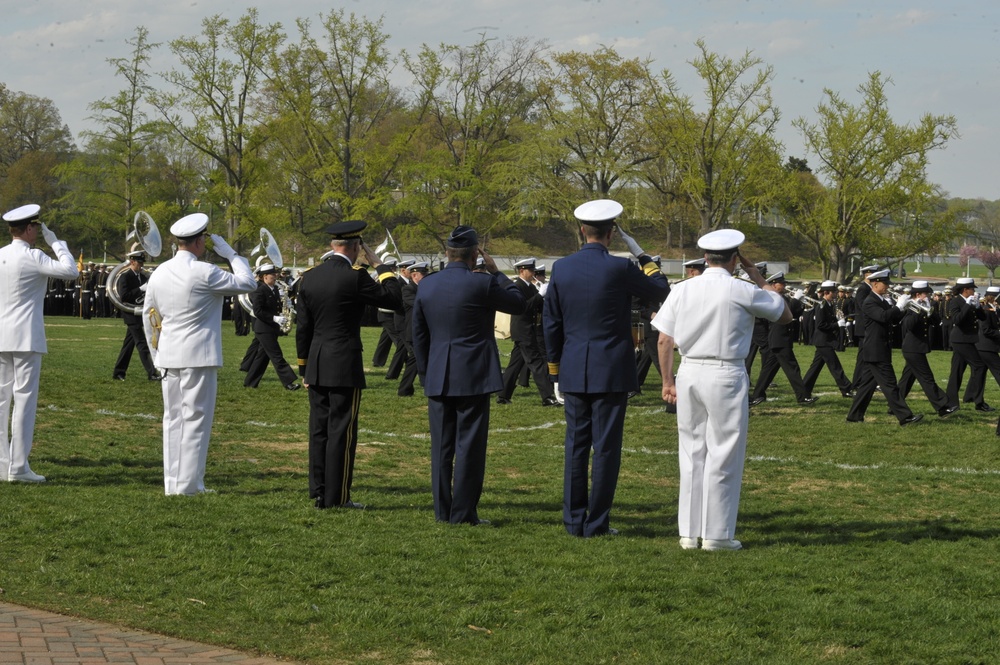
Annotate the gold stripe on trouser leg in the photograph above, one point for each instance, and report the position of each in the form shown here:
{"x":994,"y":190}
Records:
{"x":355,"y":407}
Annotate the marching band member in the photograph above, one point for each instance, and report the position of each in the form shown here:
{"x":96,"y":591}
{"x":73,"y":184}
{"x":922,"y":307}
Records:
{"x":966,"y":312}
{"x":826,"y":340}
{"x":916,"y":345}
{"x":133,"y":292}
{"x":267,"y":322}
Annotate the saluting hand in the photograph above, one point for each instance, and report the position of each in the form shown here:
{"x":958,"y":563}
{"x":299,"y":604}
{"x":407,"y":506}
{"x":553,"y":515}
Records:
{"x":49,"y":236}
{"x":488,"y":262}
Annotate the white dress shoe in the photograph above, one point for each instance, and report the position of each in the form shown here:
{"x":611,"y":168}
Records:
{"x":689,"y":543}
{"x":719,"y":545}
{"x":28,"y":476}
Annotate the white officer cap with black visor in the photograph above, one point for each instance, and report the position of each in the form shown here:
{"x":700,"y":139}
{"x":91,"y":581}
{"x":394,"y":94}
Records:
{"x":189,"y":226}
{"x":23,"y":215}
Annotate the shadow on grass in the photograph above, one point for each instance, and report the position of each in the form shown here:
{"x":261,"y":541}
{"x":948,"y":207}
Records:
{"x":786,"y":528}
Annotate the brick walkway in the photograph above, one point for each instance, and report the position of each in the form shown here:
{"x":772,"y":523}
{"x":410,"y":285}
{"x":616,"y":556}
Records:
{"x":34,"y":637}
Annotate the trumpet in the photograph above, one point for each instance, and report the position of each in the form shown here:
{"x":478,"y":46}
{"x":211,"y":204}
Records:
{"x":922,"y":307}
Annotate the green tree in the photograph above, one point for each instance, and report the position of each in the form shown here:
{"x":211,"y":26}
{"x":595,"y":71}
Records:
{"x":210,"y":106}
{"x":726,"y":154}
{"x":33,"y":142}
{"x":478,"y":99}
{"x":874,"y":170}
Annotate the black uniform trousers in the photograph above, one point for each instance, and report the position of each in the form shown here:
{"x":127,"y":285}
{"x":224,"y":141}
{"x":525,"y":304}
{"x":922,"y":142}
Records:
{"x":878,"y":374}
{"x":135,"y":338}
{"x":992,"y":361}
{"x":383,"y":347}
{"x":918,"y":369}
{"x":409,"y":372}
{"x":826,"y":355}
{"x":965,"y":355}
{"x":648,"y":357}
{"x":594,"y":425}
{"x":860,"y":369}
{"x":783,"y":357}
{"x":250,"y":354}
{"x":459,"y":429}
{"x":527,"y":353}
{"x":333,"y":443}
{"x":268,"y":349}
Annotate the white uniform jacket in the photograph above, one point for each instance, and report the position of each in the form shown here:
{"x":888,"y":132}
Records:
{"x":24,"y":275}
{"x":187,"y":295}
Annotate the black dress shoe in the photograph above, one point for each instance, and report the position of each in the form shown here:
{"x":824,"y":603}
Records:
{"x":849,"y":393}
{"x":909,"y":420}
{"x":805,"y":401}
{"x":855,"y":420}
{"x":292,"y":386}
{"x":947,"y":411}
{"x":408,"y":394}
{"x":352,"y":504}
{"x":985,"y":408}
{"x":503,"y":400}
{"x":757,"y":400}
{"x":152,"y":377}
{"x":118,"y":378}
{"x":550,"y":401}
{"x":634,"y":393}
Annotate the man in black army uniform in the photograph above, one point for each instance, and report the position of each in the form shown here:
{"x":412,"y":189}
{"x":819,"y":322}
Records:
{"x":524,"y":332}
{"x":131,"y":290}
{"x":331,"y":304}
{"x":861,"y":294}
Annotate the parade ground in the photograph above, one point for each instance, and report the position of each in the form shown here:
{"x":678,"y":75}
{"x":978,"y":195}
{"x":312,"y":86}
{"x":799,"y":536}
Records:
{"x":864,"y":542}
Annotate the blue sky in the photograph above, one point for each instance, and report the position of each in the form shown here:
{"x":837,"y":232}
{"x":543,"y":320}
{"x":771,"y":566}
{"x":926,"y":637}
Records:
{"x":943,"y":57}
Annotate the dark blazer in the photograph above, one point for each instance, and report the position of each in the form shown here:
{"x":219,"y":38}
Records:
{"x":453,"y":338}
{"x":860,"y":296}
{"x":331,"y":304}
{"x":523,"y":327}
{"x":989,"y":332}
{"x":964,"y":321}
{"x":879,"y":317}
{"x":588,"y":319}
{"x":782,"y":335}
{"x":826,"y":332}
{"x":916,"y":329}
{"x":265,"y":305}
{"x":409,"y":297}
{"x":130,"y":293}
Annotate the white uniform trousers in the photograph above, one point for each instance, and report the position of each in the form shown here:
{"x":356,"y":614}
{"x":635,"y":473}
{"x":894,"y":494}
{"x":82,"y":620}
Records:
{"x":19,"y":372}
{"x":188,"y":411}
{"x":712,"y":415}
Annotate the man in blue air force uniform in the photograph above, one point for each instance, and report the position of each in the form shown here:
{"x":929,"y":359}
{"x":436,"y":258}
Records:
{"x":459,"y":368}
{"x":588,"y":339}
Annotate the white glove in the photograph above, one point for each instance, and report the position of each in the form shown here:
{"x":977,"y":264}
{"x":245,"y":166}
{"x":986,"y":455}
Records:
{"x":973,"y":300}
{"x":49,"y":236}
{"x":799,"y":294}
{"x":143,"y":287}
{"x":221,"y":247}
{"x":543,"y":288}
{"x":280,"y":320}
{"x":901,"y":302}
{"x":842,"y":323}
{"x":633,"y":246}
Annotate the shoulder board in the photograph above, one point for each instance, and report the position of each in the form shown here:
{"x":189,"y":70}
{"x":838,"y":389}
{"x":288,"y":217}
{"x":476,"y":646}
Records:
{"x":357,"y":267}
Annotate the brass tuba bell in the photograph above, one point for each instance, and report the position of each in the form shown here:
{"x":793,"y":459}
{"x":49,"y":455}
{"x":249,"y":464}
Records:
{"x":146,"y":236}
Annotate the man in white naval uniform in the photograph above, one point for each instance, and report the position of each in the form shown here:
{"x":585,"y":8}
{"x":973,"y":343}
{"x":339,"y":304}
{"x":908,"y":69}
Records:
{"x":710,"y":319}
{"x":24,"y":279}
{"x":182,"y":318}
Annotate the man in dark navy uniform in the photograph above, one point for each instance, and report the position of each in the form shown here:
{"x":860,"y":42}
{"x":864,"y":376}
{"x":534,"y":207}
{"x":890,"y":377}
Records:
{"x":131,"y":290}
{"x":916,"y":328}
{"x":861,"y":294}
{"x":267,"y":323}
{"x":417,"y":272}
{"x":966,"y":312}
{"x":527,"y":351}
{"x":459,"y":367}
{"x":588,"y":338}
{"x":876,"y":352}
{"x":826,"y":339}
{"x":331,"y":304}
{"x":781,"y":352}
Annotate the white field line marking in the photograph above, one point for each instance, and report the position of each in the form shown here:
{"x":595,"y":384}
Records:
{"x":143,"y":416}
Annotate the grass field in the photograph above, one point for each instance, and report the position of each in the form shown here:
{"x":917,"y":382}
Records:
{"x":865,"y":543}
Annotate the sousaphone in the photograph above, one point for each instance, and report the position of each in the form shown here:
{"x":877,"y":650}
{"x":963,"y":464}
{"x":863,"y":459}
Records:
{"x":144,"y":234}
{"x":267,"y":250}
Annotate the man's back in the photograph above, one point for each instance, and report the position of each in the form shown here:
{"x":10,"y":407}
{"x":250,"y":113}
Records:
{"x":453,"y":330}
{"x":588,"y":319}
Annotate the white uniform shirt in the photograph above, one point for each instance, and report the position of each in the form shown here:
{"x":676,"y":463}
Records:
{"x":711,"y":315}
{"x":188,"y":295}
{"x":24,"y":279}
